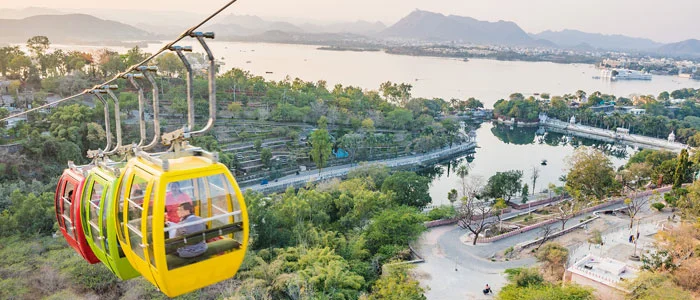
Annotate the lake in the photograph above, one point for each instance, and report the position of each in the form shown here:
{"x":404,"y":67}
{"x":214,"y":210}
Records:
{"x":501,"y":149}
{"x":487,"y":80}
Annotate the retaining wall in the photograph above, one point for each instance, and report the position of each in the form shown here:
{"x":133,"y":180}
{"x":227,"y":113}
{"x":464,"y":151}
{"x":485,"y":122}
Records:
{"x":536,"y":203}
{"x":613,"y":201}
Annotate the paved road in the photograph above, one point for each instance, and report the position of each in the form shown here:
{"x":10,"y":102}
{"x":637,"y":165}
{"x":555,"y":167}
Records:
{"x":339,"y":171}
{"x":454,"y":269}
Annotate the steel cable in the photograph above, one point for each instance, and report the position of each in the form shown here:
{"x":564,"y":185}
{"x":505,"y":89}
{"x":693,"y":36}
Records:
{"x":132,"y":68}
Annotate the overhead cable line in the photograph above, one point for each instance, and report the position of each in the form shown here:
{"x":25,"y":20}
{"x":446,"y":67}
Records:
{"x":135,"y":67}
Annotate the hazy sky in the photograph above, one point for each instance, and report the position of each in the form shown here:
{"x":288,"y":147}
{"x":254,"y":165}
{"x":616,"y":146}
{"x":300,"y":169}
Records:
{"x":664,"y":21}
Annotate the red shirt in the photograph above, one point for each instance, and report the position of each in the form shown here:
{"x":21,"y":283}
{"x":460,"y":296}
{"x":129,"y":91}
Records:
{"x":172,"y":202}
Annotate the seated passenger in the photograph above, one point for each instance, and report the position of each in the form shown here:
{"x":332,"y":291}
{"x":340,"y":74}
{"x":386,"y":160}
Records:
{"x":186,"y":213}
{"x":173,"y":200}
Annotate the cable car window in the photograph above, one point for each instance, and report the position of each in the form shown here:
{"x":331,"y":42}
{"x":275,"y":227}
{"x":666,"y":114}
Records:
{"x":135,"y":211}
{"x":95,"y":199}
{"x":121,"y":206}
{"x":177,"y":192}
{"x":68,"y":208}
{"x":213,"y":229}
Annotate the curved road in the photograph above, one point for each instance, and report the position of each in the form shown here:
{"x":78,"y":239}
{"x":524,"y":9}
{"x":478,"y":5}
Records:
{"x":456,"y":269}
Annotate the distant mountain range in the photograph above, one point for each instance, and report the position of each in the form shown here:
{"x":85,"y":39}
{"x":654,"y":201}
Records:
{"x":575,"y":38}
{"x":17,"y":25}
{"x":688,"y":47}
{"x":72,"y":27}
{"x":424,"y":25}
{"x":243,"y":25}
{"x":8,"y":13}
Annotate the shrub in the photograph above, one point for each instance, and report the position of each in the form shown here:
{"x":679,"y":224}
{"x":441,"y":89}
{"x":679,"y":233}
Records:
{"x":658,"y":205}
{"x":508,"y":251}
{"x":524,"y":277}
{"x":442,"y":212}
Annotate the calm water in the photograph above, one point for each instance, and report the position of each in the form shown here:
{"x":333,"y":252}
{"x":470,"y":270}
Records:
{"x":501,"y":149}
{"x":487,"y":80}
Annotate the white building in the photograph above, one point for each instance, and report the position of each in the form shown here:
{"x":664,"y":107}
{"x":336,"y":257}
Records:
{"x":637,"y":111}
{"x":604,"y":275}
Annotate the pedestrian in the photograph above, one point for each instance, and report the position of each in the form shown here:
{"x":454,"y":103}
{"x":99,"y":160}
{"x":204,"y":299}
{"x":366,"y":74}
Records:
{"x":637,"y":234}
{"x":631,"y":237}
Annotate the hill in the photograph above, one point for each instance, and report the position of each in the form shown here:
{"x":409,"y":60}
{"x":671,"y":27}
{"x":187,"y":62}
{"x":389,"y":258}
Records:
{"x":69,"y":28}
{"x":8,"y":13}
{"x":423,"y":25}
{"x":245,"y":25}
{"x":688,"y":47}
{"x":575,"y":38}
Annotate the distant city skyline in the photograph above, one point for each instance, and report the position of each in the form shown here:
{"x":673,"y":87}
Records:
{"x":671,"y":21}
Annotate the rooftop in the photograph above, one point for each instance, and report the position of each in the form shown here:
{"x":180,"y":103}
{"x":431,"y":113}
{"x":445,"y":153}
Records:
{"x":607,"y":271}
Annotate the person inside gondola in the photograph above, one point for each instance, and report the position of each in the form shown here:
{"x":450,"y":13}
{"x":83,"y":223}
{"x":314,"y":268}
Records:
{"x":186,"y":213}
{"x":173,"y":200}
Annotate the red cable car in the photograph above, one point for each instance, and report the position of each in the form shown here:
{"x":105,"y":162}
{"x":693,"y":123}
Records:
{"x":68,"y":210}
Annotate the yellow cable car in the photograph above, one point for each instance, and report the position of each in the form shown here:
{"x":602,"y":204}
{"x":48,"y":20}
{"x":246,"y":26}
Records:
{"x":182,"y":220}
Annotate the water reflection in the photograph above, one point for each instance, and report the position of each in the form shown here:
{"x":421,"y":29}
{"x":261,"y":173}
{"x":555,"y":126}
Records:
{"x":502,"y":148}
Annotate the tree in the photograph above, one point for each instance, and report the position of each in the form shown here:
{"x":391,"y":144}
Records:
{"x":452,"y":195}
{"x":38,"y":45}
{"x":475,"y":216}
{"x":376,"y":173}
{"x":524,"y":277}
{"x":591,"y":173}
{"x":653,"y":286}
{"x":452,"y":128}
{"x":393,"y":92}
{"x":566,"y":210}
{"x":679,"y":177}
{"x":169,"y":64}
{"x":534,"y":176}
{"x":497,"y":208}
{"x":554,"y":257}
{"x":399,"y":118}
{"x":679,"y":245}
{"x":179,"y":106}
{"x":321,"y":145}
{"x":235,"y":107}
{"x":546,"y":291}
{"x":634,"y":177}
{"x":634,"y":206}
{"x":504,"y":184}
{"x":524,"y":193}
{"x":257,"y":145}
{"x":394,"y":226}
{"x":473,"y":103}
{"x":397,"y":285}
{"x":266,"y":157}
{"x":408,"y":188}
{"x":368,"y":125}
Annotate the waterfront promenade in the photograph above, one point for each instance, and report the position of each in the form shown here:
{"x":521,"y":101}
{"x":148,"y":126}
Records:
{"x":410,"y":162}
{"x":609,"y":136}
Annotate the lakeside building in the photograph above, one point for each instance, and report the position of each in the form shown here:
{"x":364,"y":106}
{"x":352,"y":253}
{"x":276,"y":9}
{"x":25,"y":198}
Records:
{"x":604,"y":275}
{"x":624,"y":74}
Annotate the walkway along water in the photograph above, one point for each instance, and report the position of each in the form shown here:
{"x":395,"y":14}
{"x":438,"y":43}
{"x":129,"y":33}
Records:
{"x":413,"y":161}
{"x":609,"y":136}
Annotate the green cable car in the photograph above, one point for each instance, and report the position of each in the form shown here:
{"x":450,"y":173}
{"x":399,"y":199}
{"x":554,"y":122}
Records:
{"x":99,"y":223}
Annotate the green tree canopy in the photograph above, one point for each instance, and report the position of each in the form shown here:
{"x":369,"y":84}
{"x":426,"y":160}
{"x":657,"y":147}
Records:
{"x":591,"y":173}
{"x":408,"y":188}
